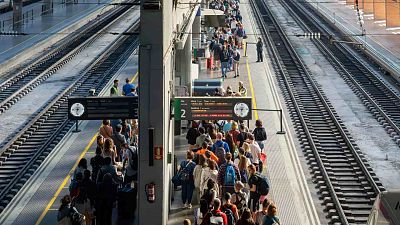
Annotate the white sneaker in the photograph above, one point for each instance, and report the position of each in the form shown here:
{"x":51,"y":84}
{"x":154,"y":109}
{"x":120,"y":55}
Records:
{"x":189,"y":206}
{"x":184,"y":206}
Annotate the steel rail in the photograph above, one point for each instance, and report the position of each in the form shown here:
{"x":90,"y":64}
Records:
{"x":33,"y":143}
{"x":373,"y":98}
{"x":17,"y":86}
{"x":300,"y":111}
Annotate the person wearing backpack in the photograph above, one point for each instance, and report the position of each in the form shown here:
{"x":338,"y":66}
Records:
{"x":106,"y":195}
{"x":216,"y":216}
{"x":131,"y":159}
{"x":209,"y":173}
{"x":259,"y":134}
{"x":254,"y":195}
{"x":228,"y":175}
{"x":96,"y":162}
{"x":186,"y":169}
{"x":224,"y":57}
{"x":84,"y":202}
{"x":239,"y":198}
{"x":230,"y":209}
{"x":63,"y":215}
{"x":271,"y":218}
{"x":220,"y":143}
{"x":258,"y":217}
{"x":197,"y":173}
{"x":192,"y":135}
{"x":239,"y":35}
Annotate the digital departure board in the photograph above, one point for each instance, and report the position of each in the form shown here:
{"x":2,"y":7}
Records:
{"x":212,"y":108}
{"x":99,"y":108}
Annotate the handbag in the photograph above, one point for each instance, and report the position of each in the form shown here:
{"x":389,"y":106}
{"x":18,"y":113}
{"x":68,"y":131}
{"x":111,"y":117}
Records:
{"x":180,"y":177}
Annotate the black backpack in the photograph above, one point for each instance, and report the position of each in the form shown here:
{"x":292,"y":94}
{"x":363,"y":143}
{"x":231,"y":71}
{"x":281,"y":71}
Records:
{"x":263,"y":185}
{"x":229,"y":215}
{"x":240,"y":201}
{"x":260,"y":134}
{"x":76,"y":217}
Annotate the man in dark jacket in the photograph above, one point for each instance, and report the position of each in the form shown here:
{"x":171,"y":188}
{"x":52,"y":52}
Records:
{"x":259,"y":50}
{"x":119,"y":140}
{"x":106,"y":196}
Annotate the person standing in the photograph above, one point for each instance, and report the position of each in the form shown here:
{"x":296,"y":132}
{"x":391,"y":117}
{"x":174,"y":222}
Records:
{"x":216,"y":216}
{"x":259,"y":134}
{"x":258,"y":217}
{"x":224,"y":57}
{"x":119,"y":141}
{"x":255,"y":151}
{"x":228,"y":175}
{"x":259,"y":50}
{"x":187,"y":168}
{"x":106,"y":197}
{"x":271,"y":218}
{"x":114,"y":89}
{"x":127,"y":88}
{"x":254,"y":195}
{"x":236,"y":59}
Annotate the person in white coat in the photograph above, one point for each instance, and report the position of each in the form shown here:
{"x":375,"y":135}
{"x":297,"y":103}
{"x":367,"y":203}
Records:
{"x":209,"y":172}
{"x":198,"y":170}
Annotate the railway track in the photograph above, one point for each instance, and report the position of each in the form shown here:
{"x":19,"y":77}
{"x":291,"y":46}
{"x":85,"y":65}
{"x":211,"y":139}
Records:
{"x":352,"y":65}
{"x":26,"y":79}
{"x":347,"y":184}
{"x":21,"y":156}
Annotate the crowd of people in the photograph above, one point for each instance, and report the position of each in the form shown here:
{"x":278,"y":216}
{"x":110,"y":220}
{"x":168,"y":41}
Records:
{"x":222,"y":174}
{"x":112,"y":179}
{"x":226,"y":41}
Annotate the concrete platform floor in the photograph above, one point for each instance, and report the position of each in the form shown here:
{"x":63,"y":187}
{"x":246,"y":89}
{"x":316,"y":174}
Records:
{"x":290,"y":187}
{"x":42,"y":26}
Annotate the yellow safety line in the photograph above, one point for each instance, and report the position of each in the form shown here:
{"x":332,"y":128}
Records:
{"x":46,"y":210}
{"x":253,"y":97}
{"x":134,"y":77}
{"x":65,"y":181}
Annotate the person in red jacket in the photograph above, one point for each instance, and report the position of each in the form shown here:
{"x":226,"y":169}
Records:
{"x":216,"y":216}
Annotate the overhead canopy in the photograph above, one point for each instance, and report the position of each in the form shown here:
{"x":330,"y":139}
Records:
{"x":213,"y":17}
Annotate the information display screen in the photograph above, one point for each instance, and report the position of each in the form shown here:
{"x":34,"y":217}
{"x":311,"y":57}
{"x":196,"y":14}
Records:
{"x":98,"y":108}
{"x":212,"y":108}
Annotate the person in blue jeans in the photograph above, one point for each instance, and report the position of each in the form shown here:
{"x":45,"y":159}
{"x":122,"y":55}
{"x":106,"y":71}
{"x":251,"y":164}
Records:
{"x":187,"y":167}
{"x":224,"y":57}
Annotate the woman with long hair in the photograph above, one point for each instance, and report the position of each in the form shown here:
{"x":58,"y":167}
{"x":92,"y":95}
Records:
{"x":109,"y":150}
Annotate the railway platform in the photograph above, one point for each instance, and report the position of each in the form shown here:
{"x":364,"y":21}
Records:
{"x":44,"y":29}
{"x":286,"y":167}
{"x":379,"y":41}
{"x":39,"y":200}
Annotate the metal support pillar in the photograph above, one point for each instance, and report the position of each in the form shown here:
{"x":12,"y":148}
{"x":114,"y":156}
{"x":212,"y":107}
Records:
{"x":184,"y":63}
{"x":17,"y":13}
{"x":47,"y":6}
{"x":155,"y":124}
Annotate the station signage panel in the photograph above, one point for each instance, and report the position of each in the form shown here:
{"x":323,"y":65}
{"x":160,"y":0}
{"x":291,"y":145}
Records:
{"x":99,"y":108}
{"x":213,"y":108}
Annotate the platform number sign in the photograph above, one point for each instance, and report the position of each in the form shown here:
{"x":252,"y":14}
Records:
{"x":212,"y":108}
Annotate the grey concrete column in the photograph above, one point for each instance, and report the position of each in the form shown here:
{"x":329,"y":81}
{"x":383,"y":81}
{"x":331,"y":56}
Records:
{"x":196,"y":27}
{"x":47,"y":6}
{"x":17,"y":13}
{"x":155,"y":78}
{"x":184,"y":63}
